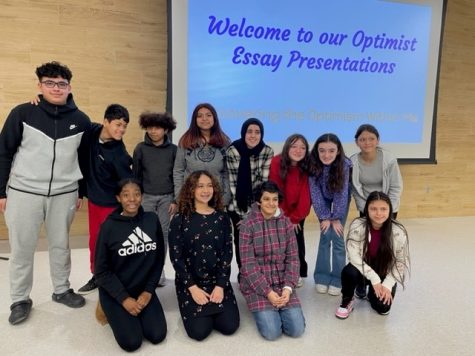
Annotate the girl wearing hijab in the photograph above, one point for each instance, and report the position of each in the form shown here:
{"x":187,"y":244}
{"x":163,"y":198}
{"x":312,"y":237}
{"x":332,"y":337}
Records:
{"x":248,"y":162}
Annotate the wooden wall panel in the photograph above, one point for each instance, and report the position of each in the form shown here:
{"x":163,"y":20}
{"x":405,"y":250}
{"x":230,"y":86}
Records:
{"x":117,"y":50}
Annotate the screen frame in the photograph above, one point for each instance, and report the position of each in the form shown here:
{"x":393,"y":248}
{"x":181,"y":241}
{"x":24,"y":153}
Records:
{"x":177,"y":77}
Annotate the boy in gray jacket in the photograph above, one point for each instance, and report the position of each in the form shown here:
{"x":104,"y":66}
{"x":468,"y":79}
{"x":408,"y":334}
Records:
{"x":153,"y":161}
{"x":39,"y":174}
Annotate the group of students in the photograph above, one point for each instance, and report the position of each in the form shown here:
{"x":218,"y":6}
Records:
{"x":195,"y":197}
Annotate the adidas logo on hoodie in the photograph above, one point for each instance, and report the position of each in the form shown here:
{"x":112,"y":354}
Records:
{"x":137,"y":242}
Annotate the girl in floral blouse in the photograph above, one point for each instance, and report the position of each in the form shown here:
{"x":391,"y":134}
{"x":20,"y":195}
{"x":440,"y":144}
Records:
{"x":201,"y":252}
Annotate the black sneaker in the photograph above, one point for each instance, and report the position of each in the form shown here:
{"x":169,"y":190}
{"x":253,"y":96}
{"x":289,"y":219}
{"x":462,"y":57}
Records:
{"x":89,"y":287}
{"x":360,"y":291}
{"x":20,"y":311}
{"x":70,"y":299}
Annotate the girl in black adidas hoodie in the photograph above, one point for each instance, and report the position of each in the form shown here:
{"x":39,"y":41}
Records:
{"x":128,"y":263}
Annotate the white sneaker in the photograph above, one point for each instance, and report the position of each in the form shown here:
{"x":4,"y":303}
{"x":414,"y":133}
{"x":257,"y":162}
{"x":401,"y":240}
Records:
{"x":321,"y":288}
{"x":300,"y":282}
{"x":335,"y":291}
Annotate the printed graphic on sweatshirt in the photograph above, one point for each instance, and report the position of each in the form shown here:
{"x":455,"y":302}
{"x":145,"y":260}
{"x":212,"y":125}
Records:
{"x":137,"y":242}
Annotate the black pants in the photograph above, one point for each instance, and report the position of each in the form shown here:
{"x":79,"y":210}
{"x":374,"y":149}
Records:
{"x":301,"y":249}
{"x":130,"y":330}
{"x":235,"y":218}
{"x":226,"y":322}
{"x":351,"y":277}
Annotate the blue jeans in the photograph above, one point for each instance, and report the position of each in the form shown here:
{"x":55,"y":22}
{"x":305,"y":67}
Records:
{"x":331,"y":256}
{"x":272,"y":323}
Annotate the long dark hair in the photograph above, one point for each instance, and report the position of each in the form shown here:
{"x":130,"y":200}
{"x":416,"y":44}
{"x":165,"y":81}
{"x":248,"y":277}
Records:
{"x":337,"y":176}
{"x":192,"y":138}
{"x":286,"y":162}
{"x":186,"y":198}
{"x":385,"y":260}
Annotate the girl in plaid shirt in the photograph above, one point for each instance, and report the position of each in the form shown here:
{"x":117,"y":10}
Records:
{"x":270,"y":266}
{"x":248,"y":161}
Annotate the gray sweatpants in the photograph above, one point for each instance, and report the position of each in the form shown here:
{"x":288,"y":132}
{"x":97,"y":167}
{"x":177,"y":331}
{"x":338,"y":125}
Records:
{"x":24,"y":215}
{"x":159,"y":204}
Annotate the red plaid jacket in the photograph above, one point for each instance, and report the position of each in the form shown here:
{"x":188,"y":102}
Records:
{"x":269,"y":259}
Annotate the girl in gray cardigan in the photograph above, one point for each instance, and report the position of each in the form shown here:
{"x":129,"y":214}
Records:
{"x":374,"y":169}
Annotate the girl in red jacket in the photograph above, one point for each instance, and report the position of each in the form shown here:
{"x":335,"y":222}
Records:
{"x":290,"y":171}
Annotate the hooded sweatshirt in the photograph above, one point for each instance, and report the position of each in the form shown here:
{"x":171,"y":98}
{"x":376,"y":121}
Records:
{"x":108,"y":163}
{"x":129,"y":254}
{"x":39,"y":148}
{"x":269,"y":258}
{"x":153,"y":165}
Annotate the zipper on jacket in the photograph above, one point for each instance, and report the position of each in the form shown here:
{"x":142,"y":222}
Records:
{"x":54,"y":149}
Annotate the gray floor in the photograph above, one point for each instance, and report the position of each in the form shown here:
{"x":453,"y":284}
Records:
{"x":433,"y":316}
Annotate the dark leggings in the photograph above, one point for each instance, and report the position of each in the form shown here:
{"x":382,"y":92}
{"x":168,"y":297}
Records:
{"x":351,"y":277}
{"x":301,"y":249}
{"x":130,"y":330}
{"x":226,"y":322}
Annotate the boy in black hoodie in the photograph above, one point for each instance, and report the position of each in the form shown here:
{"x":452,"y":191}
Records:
{"x":107,"y":163}
{"x":153,"y":167}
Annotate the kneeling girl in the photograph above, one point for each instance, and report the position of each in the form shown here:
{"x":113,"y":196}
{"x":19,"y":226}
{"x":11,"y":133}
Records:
{"x":201,"y":251}
{"x":128,"y":263}
{"x":378,"y":252}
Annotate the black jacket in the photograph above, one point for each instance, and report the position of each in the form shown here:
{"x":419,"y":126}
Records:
{"x":39,"y":148}
{"x":129,"y":254}
{"x":107,"y":164}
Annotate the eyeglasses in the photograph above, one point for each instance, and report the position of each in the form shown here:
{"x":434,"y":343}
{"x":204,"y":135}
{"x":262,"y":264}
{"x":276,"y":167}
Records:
{"x":51,"y":84}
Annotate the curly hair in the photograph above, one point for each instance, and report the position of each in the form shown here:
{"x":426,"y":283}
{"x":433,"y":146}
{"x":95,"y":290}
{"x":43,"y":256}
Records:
{"x":53,"y":70}
{"x":157,"y":119}
{"x":186,"y":198}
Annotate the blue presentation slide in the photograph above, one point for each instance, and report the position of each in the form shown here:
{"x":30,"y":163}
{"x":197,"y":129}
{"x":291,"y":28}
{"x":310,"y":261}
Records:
{"x":312,"y":66}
